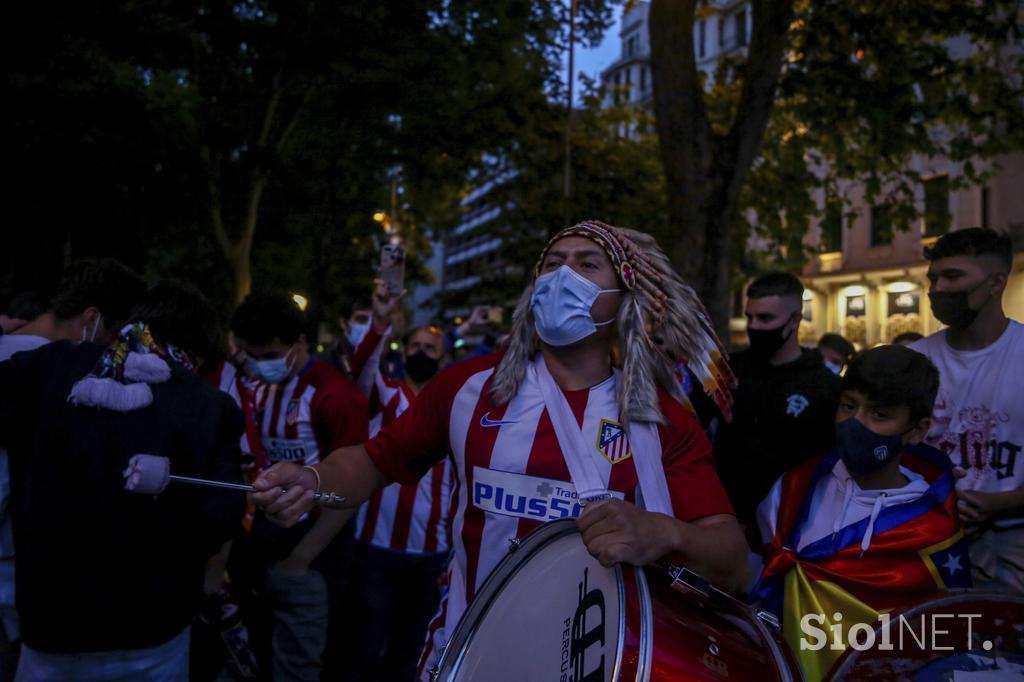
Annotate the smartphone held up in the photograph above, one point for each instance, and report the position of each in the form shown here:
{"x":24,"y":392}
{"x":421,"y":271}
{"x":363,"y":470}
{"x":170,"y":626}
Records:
{"x":392,"y":267}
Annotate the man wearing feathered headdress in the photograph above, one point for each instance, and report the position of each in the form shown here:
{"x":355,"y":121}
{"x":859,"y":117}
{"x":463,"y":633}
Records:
{"x":583,"y":410}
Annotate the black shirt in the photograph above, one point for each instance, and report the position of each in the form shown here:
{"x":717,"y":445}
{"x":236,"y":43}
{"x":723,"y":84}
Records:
{"x":782,"y":415}
{"x":100,"y":568}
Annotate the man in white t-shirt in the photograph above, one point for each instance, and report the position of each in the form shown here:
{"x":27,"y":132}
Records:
{"x":979,"y":413}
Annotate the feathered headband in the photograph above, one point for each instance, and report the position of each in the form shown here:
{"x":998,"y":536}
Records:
{"x":634,"y":269}
{"x":661,"y":324}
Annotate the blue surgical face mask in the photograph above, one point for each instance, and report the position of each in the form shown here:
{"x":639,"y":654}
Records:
{"x":833,"y":367}
{"x":864,"y":451}
{"x":561,"y":305}
{"x":272,"y":371}
{"x":357,"y":332}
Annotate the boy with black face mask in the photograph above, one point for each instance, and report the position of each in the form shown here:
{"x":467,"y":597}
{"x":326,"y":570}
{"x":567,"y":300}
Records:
{"x":785,"y":401}
{"x":871,"y":524}
{"x":402,"y":531}
{"x":979,"y":414}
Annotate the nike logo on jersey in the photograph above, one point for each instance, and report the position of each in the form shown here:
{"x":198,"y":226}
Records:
{"x":484,"y":421}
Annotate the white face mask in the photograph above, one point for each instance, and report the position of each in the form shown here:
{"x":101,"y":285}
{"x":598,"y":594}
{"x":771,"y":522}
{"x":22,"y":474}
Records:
{"x":561,"y":305}
{"x":357,"y":332}
{"x":273,"y":371}
{"x":95,"y":328}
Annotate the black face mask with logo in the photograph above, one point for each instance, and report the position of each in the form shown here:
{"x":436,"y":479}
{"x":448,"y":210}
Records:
{"x":421,"y":367}
{"x":764,"y":343}
{"x":863,"y":451}
{"x":952,"y":307}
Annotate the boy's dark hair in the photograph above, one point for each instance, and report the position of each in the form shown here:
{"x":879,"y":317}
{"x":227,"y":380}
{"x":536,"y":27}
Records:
{"x":359,"y":304}
{"x":180,"y":315}
{"x":907,"y":337}
{"x":836,"y":343}
{"x":973,"y":241}
{"x":268,"y":314}
{"x":104,"y":283}
{"x":28,"y":305}
{"x":895,"y":375}
{"x":780,"y":284}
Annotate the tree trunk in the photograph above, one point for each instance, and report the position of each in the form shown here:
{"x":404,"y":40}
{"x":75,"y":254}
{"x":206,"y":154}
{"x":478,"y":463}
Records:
{"x":705,"y":171}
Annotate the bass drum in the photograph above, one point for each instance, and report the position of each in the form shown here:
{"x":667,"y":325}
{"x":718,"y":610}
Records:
{"x":550,"y":611}
{"x":957,"y":635}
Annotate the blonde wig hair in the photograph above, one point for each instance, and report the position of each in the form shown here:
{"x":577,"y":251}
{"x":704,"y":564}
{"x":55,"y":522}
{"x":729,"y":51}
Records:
{"x":660,"y":323}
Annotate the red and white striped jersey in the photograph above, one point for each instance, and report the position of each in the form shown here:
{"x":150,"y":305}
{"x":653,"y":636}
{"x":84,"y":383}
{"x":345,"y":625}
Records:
{"x":511,"y":474}
{"x":404,"y":518}
{"x":312,"y":414}
{"x":229,"y":380}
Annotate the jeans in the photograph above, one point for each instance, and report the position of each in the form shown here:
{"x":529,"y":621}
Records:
{"x":394,"y":596}
{"x":997,"y":560}
{"x":291,"y":619}
{"x":299,"y":628}
{"x":167,"y":662}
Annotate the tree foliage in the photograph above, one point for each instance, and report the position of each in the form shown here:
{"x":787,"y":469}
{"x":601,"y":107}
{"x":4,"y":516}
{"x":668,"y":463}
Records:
{"x":616,"y":177}
{"x":829,"y":95}
{"x":232,"y":141}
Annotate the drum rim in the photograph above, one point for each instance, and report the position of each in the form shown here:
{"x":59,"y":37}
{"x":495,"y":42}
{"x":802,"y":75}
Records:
{"x":455,"y":648}
{"x":646,"y":649}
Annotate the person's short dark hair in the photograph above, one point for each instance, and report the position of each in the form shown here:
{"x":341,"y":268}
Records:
{"x":781,"y":284}
{"x":265,"y":315}
{"x":103,"y":283}
{"x":973,"y":241}
{"x":907,"y":337}
{"x":895,"y":375}
{"x":28,"y":305}
{"x":836,"y":343}
{"x":359,"y":304}
{"x":180,"y":315}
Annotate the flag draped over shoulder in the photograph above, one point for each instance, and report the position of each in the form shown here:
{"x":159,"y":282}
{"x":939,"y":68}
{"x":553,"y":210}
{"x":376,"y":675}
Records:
{"x":917,"y":548}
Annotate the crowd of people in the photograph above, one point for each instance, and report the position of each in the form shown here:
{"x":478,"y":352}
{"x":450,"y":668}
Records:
{"x":883,"y":475}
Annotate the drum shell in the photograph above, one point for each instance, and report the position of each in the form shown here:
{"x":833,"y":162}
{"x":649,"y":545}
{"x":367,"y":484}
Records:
{"x":667,"y":630}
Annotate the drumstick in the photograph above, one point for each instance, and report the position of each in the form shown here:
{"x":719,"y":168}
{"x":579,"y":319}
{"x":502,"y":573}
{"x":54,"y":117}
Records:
{"x":149,"y":475}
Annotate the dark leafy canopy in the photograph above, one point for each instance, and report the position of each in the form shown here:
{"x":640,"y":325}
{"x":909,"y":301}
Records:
{"x":616,"y":175}
{"x":868,"y":86}
{"x":853,"y":93}
{"x":204,"y":139}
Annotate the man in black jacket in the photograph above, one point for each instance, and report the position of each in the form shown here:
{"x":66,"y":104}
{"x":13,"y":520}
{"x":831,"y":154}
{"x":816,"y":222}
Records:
{"x":785,"y":404}
{"x":108,"y":580}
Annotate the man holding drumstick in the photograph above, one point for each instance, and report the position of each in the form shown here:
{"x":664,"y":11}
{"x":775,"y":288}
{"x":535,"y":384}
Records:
{"x":584,"y":406}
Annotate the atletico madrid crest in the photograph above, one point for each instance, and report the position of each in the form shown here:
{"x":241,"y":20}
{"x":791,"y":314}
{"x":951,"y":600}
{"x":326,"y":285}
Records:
{"x":612,"y":442}
{"x":291,"y":415}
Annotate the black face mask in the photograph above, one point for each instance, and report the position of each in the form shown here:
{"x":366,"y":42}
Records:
{"x":420,"y":367}
{"x":952,"y":307}
{"x":864,"y":451}
{"x":765,"y":342}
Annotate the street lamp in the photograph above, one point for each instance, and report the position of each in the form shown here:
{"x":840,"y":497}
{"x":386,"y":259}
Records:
{"x":384,"y":219}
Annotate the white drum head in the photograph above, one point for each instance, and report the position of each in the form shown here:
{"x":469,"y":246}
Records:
{"x":549,"y":611}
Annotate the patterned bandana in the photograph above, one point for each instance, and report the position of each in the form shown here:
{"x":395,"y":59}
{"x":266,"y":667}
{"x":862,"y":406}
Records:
{"x":634,"y":270}
{"x":136,"y":338}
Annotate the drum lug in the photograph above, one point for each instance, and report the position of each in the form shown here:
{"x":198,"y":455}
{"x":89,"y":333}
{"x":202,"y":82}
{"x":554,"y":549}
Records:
{"x":513,"y":544}
{"x":768,"y":618}
{"x":689,"y":579}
